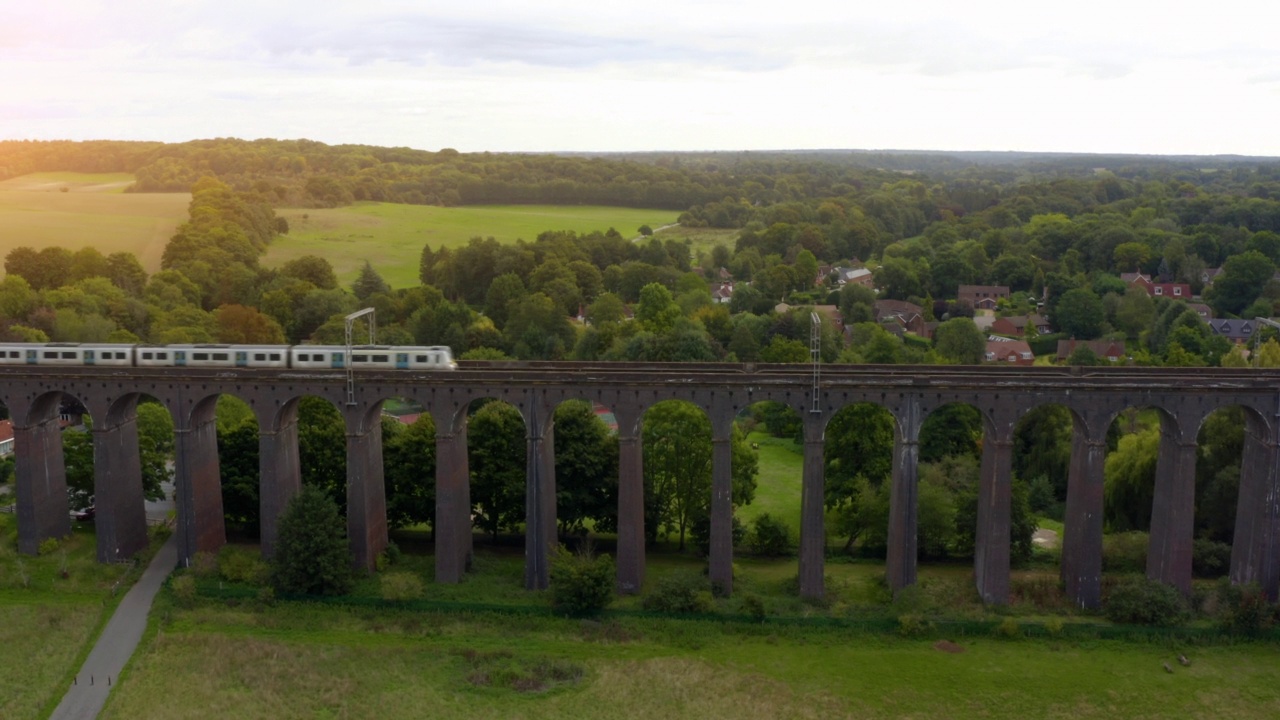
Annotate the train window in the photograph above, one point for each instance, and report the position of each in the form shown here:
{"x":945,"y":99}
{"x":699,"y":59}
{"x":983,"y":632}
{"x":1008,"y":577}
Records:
{"x":275,"y":356}
{"x":13,"y":353}
{"x":51,"y":355}
{"x":303,"y":357}
{"x":69,"y":355}
{"x":220,"y":356}
{"x":162,"y":356}
{"x":381,"y":358}
{"x":146,"y":356}
{"x":420,"y":358}
{"x":259,"y":356}
{"x":359,"y":358}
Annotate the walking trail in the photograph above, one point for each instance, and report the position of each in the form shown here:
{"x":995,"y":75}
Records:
{"x":85,"y":698}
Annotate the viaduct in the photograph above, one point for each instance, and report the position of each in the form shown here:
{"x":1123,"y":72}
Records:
{"x":1183,"y":398}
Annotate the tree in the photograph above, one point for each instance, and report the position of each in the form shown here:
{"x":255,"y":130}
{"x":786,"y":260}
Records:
{"x":1135,"y":312}
{"x":1241,"y":282}
{"x":657,"y":310}
{"x":313,"y":269}
{"x":369,"y":283}
{"x":505,"y":292}
{"x":409,"y":471}
{"x":1129,"y":484}
{"x":538,"y":329}
{"x":782,"y":350}
{"x":311,"y":556}
{"x":586,"y":467}
{"x":1079,"y":313}
{"x":959,"y":341}
{"x":238,"y":465}
{"x":496,"y":456}
{"x":242,"y":325}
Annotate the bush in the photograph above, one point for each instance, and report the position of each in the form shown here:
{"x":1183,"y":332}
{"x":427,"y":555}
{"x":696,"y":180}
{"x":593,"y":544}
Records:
{"x":581,"y":583}
{"x":752,"y":605}
{"x":1125,"y":552}
{"x":700,"y":533}
{"x":1139,"y":601}
{"x":679,"y":592}
{"x":1244,"y":608}
{"x":913,"y":624}
{"x":401,"y":586}
{"x":311,"y":547}
{"x":184,"y":589}
{"x":48,"y":545}
{"x":242,"y":566}
{"x":204,"y":564}
{"x":1009,"y":628}
{"x":771,"y":536}
{"x":1210,"y":559}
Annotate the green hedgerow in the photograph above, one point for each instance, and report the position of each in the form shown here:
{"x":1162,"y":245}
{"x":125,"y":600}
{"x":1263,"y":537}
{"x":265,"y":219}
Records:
{"x":1140,"y":601}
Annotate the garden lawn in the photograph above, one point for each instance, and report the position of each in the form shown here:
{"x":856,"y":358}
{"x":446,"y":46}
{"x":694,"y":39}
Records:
{"x":391,"y":236}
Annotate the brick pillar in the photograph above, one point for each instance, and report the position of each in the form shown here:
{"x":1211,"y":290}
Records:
{"x":1173,"y":510}
{"x":198,"y":485}
{"x":366,"y":497}
{"x":991,"y":547}
{"x":721,"y":566}
{"x":41,"y":479}
{"x":630,"y":507}
{"x":813,"y":535}
{"x":540,"y":537}
{"x":1255,"y":552}
{"x":900,"y":564}
{"x":280,"y":477}
{"x":453,"y":500}
{"x":121,"y":517}
{"x":1082,"y":531}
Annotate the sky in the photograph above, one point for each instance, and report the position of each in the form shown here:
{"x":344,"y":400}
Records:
{"x":1119,"y":76}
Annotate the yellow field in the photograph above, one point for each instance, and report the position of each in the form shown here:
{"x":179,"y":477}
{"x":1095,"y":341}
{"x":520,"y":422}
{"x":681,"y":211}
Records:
{"x":92,"y":211}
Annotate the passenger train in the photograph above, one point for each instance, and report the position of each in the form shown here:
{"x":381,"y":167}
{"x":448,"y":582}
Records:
{"x":306,"y":357}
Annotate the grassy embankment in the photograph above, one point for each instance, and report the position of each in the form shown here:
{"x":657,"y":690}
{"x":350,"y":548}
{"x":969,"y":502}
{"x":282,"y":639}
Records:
{"x":93,"y":210}
{"x":48,"y":621}
{"x":391,"y":236}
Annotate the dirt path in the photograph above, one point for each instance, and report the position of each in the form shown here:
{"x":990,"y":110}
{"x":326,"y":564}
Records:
{"x":1045,"y":538}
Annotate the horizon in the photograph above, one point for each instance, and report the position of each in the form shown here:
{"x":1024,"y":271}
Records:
{"x":500,"y":76}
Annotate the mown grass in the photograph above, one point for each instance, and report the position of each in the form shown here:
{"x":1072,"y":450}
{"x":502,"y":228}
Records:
{"x":391,"y":236}
{"x":304,"y":660}
{"x":49,"y":620}
{"x":93,"y":212}
{"x":778,"y":483}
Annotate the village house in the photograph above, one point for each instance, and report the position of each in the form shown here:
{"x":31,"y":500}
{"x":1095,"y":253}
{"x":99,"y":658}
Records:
{"x":1155,"y":289}
{"x":1014,"y":352}
{"x":721,"y":292}
{"x":982,"y":297}
{"x":1237,"y":331}
{"x":1112,"y":350}
{"x":1204,"y":311}
{"x":906,"y":315}
{"x":1017,"y":326}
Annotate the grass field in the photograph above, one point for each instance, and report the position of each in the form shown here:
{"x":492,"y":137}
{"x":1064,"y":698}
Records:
{"x":306,"y":660}
{"x":92,"y":211}
{"x":778,"y":483}
{"x":391,"y":236}
{"x":48,"y":621}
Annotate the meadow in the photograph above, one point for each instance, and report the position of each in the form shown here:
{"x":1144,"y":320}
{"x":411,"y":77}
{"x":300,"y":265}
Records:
{"x":75,"y":210}
{"x":391,"y":236}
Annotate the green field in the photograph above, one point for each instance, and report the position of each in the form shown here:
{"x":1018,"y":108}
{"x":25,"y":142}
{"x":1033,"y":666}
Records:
{"x":778,"y":483}
{"x":92,"y":211}
{"x":391,"y":236}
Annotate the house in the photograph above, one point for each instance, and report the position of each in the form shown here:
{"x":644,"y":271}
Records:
{"x":907,"y":315}
{"x":6,"y":438}
{"x":1234,"y":330}
{"x":1204,"y":311}
{"x":1208,"y":275}
{"x":1015,"y":352}
{"x":982,"y":297}
{"x":1017,"y":326}
{"x":724,"y":275}
{"x":722,"y":292}
{"x":1112,"y":350}
{"x":1156,"y":289}
{"x":853,"y":276}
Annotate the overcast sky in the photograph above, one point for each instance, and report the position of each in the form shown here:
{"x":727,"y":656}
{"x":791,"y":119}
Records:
{"x":545,"y":75}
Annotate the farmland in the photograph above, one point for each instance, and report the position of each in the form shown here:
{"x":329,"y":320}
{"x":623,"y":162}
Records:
{"x":92,"y":210}
{"x":391,"y":236}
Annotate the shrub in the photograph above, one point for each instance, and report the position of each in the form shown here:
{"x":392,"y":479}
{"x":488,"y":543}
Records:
{"x":1244,"y":608}
{"x":1139,"y":601}
{"x":184,"y":589}
{"x":1053,"y":626}
{"x":204,"y":564}
{"x":912,"y":624}
{"x":47,"y":546}
{"x":679,"y":592}
{"x":1008,"y":628}
{"x":311,"y":547}
{"x":582,"y":582}
{"x":242,"y":566}
{"x":700,"y":533}
{"x":771,"y":536}
{"x":401,"y":586}
{"x":1125,"y":552}
{"x":752,"y":605}
{"x":1210,"y":559}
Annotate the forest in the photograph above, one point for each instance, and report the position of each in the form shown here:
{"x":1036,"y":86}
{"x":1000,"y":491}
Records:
{"x":1057,"y":230}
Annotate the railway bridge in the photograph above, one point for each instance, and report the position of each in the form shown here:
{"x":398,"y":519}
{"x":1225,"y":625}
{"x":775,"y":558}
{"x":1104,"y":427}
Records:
{"x":1094,"y":396}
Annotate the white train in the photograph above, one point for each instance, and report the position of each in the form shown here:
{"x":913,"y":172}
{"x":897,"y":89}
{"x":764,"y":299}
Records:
{"x":309,"y":357}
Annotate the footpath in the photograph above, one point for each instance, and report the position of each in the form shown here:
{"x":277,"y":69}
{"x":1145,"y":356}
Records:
{"x":87,"y":695}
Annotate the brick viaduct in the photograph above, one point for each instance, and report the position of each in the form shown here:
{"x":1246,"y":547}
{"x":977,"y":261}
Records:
{"x":1003,"y":395}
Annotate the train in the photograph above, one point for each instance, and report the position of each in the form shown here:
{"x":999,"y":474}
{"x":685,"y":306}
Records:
{"x":304,"y":357}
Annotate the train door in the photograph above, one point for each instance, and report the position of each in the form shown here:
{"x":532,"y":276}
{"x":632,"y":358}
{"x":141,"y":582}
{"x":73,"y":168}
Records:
{"x":88,"y":357}
{"x":180,"y":358}
{"x":32,"y":357}
{"x":402,"y":361}
{"x":337,"y":360}
{"x":242,"y":358}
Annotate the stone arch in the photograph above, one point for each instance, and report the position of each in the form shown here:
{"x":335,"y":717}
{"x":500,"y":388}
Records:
{"x":40,"y":469}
